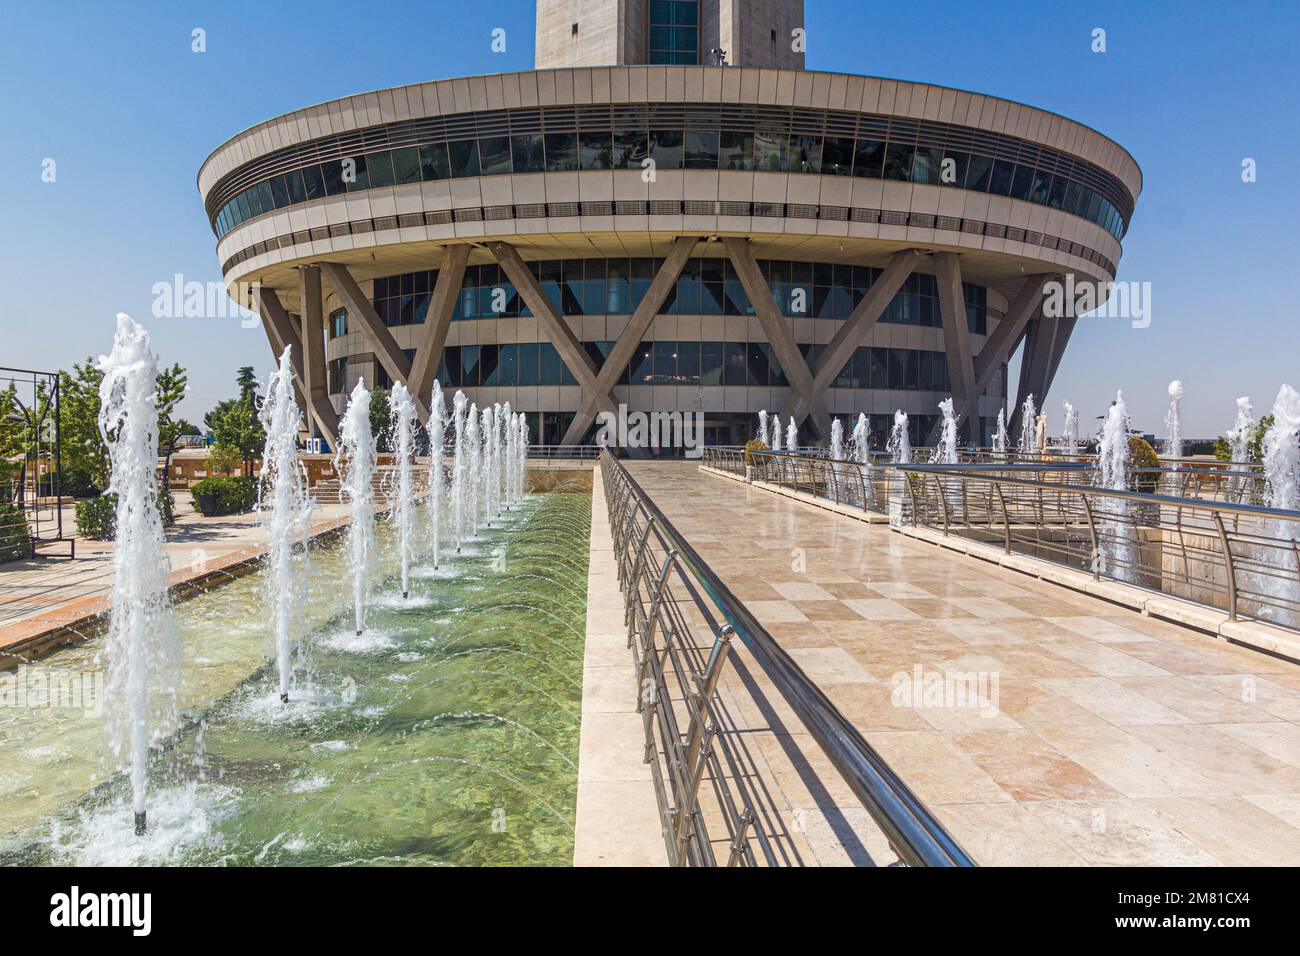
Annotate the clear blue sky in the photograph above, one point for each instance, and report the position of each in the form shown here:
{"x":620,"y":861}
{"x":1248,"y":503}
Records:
{"x":113,"y":93}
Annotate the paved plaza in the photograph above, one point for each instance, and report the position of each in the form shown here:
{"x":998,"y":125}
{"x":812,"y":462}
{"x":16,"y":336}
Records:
{"x":40,"y":593}
{"x":1116,"y":739}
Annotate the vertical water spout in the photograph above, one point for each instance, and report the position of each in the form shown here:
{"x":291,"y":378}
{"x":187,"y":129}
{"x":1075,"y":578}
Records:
{"x":1117,"y":555}
{"x":437,"y":473}
{"x":284,"y":510}
{"x":459,"y":464}
{"x":762,"y":427}
{"x":1028,"y":426}
{"x":900,"y":443}
{"x":1239,"y":436}
{"x":946,"y":451}
{"x":1071,"y":436}
{"x":474,"y":475}
{"x":401,"y":408}
{"x":142,"y":650}
{"x":1174,"y":423}
{"x":355,"y":463}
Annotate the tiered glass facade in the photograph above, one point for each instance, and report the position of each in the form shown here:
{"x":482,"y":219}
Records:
{"x":679,"y":136}
{"x":706,"y":286}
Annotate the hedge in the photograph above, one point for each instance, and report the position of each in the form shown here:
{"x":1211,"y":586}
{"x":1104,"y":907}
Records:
{"x":15,"y":541}
{"x":95,"y":516}
{"x":234,"y":495}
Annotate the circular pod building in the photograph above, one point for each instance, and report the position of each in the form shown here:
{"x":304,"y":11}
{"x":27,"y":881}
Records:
{"x":670,"y":215}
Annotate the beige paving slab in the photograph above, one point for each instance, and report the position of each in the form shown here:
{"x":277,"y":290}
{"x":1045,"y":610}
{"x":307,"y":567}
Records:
{"x":1106,"y":709}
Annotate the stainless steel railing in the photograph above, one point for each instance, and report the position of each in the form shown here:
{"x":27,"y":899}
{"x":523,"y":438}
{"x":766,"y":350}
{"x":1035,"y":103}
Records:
{"x":681,"y":620}
{"x":1241,"y":558}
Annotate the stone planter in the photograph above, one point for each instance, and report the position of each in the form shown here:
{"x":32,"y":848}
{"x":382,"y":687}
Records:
{"x":749,"y":474}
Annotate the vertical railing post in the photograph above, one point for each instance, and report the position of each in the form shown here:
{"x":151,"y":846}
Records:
{"x":1094,"y":561}
{"x":738,"y":844}
{"x":1229,"y":566}
{"x":943,"y":503}
{"x":696,"y":753}
{"x":1006,"y":518}
{"x":634,"y":590}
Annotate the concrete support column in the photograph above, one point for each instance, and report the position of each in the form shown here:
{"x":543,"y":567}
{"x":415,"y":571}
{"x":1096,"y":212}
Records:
{"x":999,"y":346}
{"x":441,"y":305}
{"x":313,"y":344}
{"x":956,"y":343}
{"x":805,"y":399}
{"x":385,"y":347}
{"x":625,"y":347}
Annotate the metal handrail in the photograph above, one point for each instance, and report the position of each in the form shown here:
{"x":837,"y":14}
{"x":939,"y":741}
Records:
{"x":913,"y":832}
{"x":1228,"y":554}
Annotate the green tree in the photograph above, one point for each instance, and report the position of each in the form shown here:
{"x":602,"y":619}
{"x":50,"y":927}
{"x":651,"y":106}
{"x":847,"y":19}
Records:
{"x":380,"y":419}
{"x":240,"y":431}
{"x":170,"y":390}
{"x":1223,"y":447}
{"x":85,"y":456}
{"x":246,"y":379}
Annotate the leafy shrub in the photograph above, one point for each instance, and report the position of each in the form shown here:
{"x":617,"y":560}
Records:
{"x":15,"y":542}
{"x":1142,"y":455}
{"x":751,"y":446}
{"x":79,"y":484}
{"x":233,"y":495}
{"x":96,"y":516}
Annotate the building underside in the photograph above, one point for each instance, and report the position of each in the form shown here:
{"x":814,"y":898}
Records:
{"x":720,"y":240}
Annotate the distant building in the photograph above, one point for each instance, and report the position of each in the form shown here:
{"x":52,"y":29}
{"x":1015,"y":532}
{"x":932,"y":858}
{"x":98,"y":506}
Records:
{"x":629,"y":224}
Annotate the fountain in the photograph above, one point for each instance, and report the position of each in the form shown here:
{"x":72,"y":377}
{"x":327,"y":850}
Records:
{"x":1028,"y":426}
{"x":792,"y":436}
{"x":1071,"y":429}
{"x":837,"y":439}
{"x":401,"y":407}
{"x":1243,"y":428}
{"x":459,"y":498}
{"x":489,"y":462}
{"x":284,"y":511}
{"x":474,"y":473}
{"x":1281,"y":447}
{"x":1113,"y":466}
{"x":946,"y":451}
{"x":355,"y":463}
{"x":511,"y":444}
{"x":900,"y":445}
{"x":762,"y":427}
{"x":1000,"y":436}
{"x":860,"y":452}
{"x":437,"y":475}
{"x":1174,"y":423}
{"x":520,"y":433}
{"x":141,"y":649}
{"x":776,"y":433}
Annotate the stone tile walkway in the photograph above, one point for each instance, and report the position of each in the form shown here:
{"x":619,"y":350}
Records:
{"x":41,"y":593}
{"x":1092,"y":735}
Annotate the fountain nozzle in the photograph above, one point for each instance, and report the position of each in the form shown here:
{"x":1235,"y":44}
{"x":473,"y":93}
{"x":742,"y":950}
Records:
{"x":284,"y":697}
{"x":405,"y":595}
{"x":358,"y":632}
{"x":140,"y":826}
